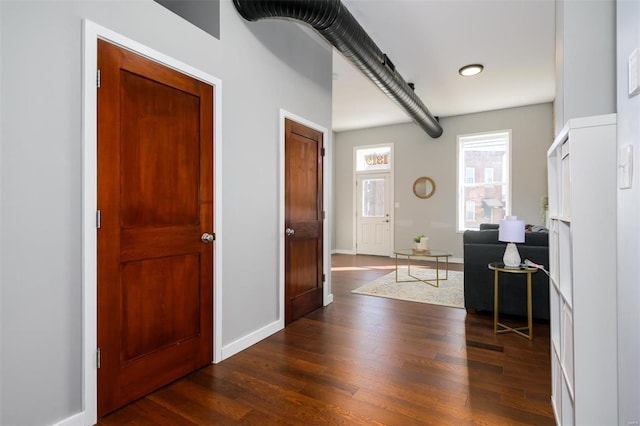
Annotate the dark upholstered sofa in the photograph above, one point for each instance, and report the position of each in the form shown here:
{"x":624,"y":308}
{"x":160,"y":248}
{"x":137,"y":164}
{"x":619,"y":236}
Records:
{"x":481,"y":248}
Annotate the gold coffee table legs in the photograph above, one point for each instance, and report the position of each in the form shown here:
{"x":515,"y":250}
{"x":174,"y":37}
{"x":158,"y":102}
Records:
{"x":418,"y":279}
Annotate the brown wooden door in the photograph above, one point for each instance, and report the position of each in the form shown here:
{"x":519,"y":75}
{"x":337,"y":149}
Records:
{"x":155,"y":195}
{"x":303,"y":220}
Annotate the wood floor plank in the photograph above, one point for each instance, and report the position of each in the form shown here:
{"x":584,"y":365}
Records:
{"x":372,"y":413}
{"x":366,"y":360}
{"x":145,"y":412}
{"x":297,"y":405}
{"x":189,"y":407}
{"x":232,"y":408}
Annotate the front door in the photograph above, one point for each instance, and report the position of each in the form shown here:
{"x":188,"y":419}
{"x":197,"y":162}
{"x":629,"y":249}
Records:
{"x":303,"y":220}
{"x":373,"y":210}
{"x":155,"y":196}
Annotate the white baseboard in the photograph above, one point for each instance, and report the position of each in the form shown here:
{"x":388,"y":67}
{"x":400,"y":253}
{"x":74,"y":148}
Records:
{"x":75,"y":420}
{"x":340,"y":251}
{"x":258,"y":335}
{"x":328,"y":300}
{"x":251,"y":339}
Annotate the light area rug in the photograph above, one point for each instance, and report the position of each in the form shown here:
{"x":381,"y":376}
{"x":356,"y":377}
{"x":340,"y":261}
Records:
{"x":449,"y":293}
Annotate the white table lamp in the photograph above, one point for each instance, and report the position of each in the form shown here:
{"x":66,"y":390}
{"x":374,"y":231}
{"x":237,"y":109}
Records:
{"x":511,"y":231}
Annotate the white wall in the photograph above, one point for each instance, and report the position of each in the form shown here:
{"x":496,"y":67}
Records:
{"x":416,"y":154}
{"x":264,"y":66}
{"x":628,"y":39}
{"x":585,"y":59}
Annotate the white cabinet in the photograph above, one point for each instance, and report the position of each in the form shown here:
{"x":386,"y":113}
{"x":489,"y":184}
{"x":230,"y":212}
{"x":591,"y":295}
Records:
{"x":582,"y":255}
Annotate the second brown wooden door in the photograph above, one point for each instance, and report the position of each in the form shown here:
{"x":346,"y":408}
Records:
{"x":303,"y":220}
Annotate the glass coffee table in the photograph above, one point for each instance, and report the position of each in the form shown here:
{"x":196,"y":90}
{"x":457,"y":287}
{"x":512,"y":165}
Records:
{"x":412,"y":254}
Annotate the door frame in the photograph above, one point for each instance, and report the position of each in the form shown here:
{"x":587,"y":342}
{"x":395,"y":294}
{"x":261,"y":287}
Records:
{"x":354,"y":195}
{"x":327,"y":295}
{"x":91,"y":32}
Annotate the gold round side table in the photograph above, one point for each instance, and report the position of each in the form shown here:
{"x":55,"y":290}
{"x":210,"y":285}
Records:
{"x":499,"y":327}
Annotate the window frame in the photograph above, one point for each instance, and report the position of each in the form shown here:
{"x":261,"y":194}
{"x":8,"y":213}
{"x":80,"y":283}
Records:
{"x":462,"y":143}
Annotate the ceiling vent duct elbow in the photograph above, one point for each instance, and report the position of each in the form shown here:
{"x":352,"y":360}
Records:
{"x":332,"y":20}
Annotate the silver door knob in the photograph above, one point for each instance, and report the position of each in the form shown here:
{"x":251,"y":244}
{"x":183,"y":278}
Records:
{"x":289,"y":232}
{"x":207,"y":238}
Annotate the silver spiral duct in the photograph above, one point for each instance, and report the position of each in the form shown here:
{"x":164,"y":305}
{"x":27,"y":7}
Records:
{"x":335,"y":23}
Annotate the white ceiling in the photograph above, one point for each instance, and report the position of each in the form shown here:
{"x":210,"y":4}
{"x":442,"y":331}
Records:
{"x":429,"y":40}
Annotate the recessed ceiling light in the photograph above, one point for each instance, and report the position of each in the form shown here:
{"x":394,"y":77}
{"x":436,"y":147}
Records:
{"x":469,"y":70}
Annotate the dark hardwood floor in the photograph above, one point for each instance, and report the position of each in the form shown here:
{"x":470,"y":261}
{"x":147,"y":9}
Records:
{"x":366,"y":361}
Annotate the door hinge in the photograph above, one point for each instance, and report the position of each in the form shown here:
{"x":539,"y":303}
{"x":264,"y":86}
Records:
{"x":322,"y":152}
{"x":98,"y":79}
{"x":324,"y":277}
{"x":324,"y":215}
{"x":98,"y":218}
{"x":98,"y":358}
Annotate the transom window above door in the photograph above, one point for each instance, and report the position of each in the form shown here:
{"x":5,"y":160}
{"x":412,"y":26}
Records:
{"x":373,"y":159}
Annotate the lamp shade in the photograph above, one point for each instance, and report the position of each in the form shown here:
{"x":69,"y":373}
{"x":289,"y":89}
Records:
{"x":511,"y":230}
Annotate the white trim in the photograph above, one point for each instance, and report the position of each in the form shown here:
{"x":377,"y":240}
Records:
{"x":250,"y":339}
{"x":354,"y":195}
{"x":340,"y":251}
{"x":75,"y":420}
{"x":91,"y":33}
{"x":327,"y":296}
